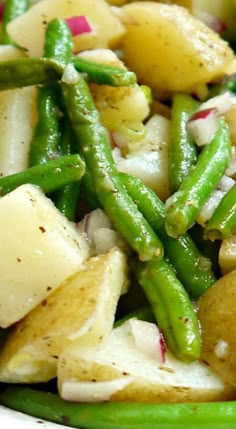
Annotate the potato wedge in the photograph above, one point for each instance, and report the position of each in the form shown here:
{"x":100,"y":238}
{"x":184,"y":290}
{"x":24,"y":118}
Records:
{"x":227,"y":254}
{"x":169,"y":49}
{"x":108,"y":29}
{"x":17,"y":119}
{"x":37,"y":239}
{"x":118,"y":106}
{"x":217,"y":317}
{"x":80,"y":310}
{"x":117,"y":370}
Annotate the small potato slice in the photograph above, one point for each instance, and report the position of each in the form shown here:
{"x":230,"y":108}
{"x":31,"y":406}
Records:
{"x":227,"y":254}
{"x":17,"y":119}
{"x":118,"y":370}
{"x":39,"y":250}
{"x":169,"y":49}
{"x":108,"y":29}
{"x":117,"y":106}
{"x":82,"y":309}
{"x":217,"y":317}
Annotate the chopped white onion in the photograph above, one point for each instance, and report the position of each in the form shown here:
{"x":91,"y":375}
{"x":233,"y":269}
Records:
{"x":148,"y":339}
{"x":214,"y":200}
{"x":93,"y":391}
{"x":70,"y":75}
{"x":105,"y":239}
{"x":222,"y":103}
{"x":203,"y":126}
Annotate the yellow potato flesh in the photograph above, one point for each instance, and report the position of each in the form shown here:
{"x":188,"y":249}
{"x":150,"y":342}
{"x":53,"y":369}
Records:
{"x":82,"y":309}
{"x":28,"y":30}
{"x":218,"y":321}
{"x":169,"y":49}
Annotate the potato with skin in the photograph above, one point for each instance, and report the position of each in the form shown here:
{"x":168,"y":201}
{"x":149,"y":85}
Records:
{"x":169,"y":49}
{"x":119,"y":370}
{"x":217,"y":316}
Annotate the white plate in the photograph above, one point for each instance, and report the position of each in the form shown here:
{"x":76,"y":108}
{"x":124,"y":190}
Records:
{"x":13,"y":420}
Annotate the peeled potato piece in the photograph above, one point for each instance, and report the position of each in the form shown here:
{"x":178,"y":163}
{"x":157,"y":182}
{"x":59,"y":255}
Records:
{"x":82,"y":309}
{"x":118,"y":370}
{"x":169,"y":49}
{"x":40,"y":248}
{"x":28,"y":30}
{"x":217,"y":317}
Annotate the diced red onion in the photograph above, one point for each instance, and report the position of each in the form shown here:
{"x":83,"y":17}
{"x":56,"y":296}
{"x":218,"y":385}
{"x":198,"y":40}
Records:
{"x":79,"y":25}
{"x":2,"y":7}
{"x":203,"y":125}
{"x":222,"y":103}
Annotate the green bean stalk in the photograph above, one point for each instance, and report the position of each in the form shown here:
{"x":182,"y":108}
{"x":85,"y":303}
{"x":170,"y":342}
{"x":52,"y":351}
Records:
{"x":93,"y":144}
{"x":223,"y":221}
{"x":50,"y":176}
{"x":119,"y":415}
{"x":184,"y":205}
{"x":183,"y":150}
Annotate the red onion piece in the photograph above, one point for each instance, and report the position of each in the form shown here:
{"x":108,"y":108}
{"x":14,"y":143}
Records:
{"x":203,"y":125}
{"x":2,"y":7}
{"x":79,"y":25}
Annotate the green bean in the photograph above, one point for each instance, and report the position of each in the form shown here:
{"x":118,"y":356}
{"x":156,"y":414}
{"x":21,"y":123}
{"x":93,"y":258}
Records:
{"x":12,"y":9}
{"x":184,"y":205}
{"x":50,"y":176}
{"x":223,"y":222}
{"x":28,"y":71}
{"x":120,"y":415}
{"x":193,"y":270}
{"x":94,"y":146}
{"x":58,"y":46}
{"x":104,"y":74}
{"x":58,"y":41}
{"x":66,"y":199}
{"x":183,"y":150}
{"x":172,"y":309}
{"x":45,"y":140}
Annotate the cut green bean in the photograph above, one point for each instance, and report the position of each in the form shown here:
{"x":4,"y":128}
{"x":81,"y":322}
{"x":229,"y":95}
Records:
{"x":66,"y":199}
{"x":12,"y":9}
{"x":94,"y":146}
{"x":58,"y":41}
{"x":28,"y":71}
{"x":183,"y":150}
{"x":223,"y":222}
{"x":104,"y":74}
{"x":58,"y":46}
{"x":50,"y":176}
{"x":119,"y":415}
{"x":172,"y":308}
{"x":45,"y":140}
{"x":193,"y":269}
{"x":184,"y":205}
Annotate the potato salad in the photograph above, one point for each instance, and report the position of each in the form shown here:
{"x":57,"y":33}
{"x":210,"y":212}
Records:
{"x":118,"y":212}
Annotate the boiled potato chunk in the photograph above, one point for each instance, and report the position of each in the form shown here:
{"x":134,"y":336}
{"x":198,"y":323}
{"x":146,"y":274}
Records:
{"x":217,"y":317}
{"x":39,"y":249}
{"x":82,"y":309}
{"x":17,"y":119}
{"x":107,"y":28}
{"x":227,"y":254}
{"x":169,"y":49}
{"x":118,"y":370}
{"x":148,"y":158}
{"x":118,"y":106}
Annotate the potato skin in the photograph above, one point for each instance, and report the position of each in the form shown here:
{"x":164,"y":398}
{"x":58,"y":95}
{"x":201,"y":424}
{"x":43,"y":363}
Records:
{"x":217,"y":315}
